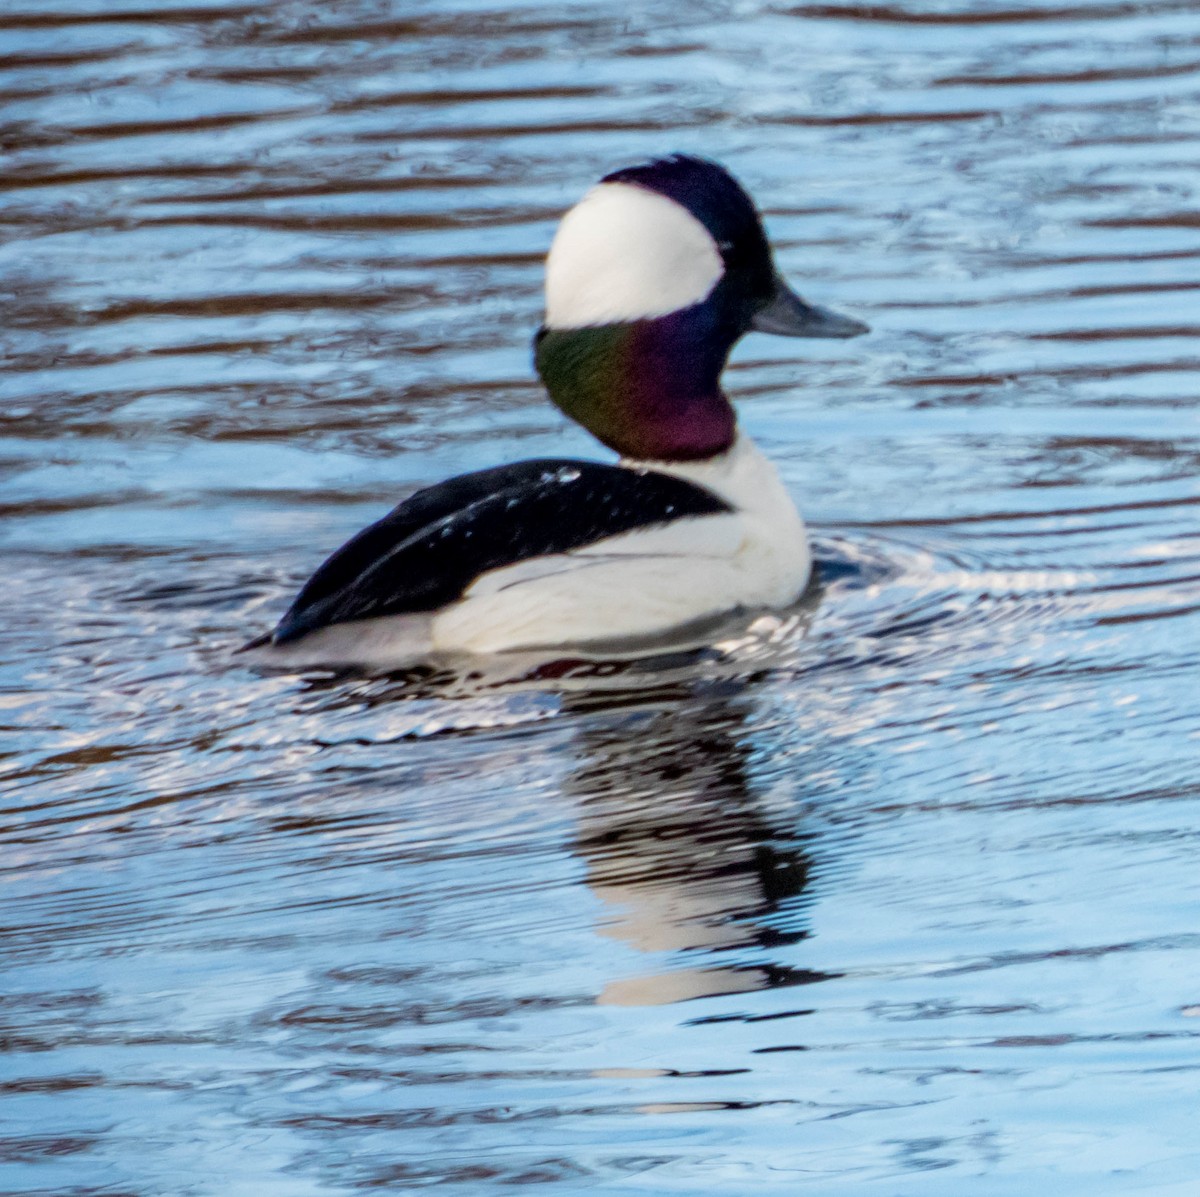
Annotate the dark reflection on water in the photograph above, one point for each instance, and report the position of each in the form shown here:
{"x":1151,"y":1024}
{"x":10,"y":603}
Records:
{"x":894,"y":893}
{"x":676,"y":843}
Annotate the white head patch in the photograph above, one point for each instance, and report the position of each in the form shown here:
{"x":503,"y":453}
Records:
{"x":624,"y":253}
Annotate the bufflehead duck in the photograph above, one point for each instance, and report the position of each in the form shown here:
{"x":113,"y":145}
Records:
{"x":650,"y":281}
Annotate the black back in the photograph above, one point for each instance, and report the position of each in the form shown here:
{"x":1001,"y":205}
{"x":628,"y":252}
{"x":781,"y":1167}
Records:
{"x":428,"y":551}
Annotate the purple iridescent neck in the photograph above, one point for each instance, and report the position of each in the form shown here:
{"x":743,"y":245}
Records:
{"x":649,"y":389}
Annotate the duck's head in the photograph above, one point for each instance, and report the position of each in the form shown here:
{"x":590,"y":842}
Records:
{"x":651,"y":280}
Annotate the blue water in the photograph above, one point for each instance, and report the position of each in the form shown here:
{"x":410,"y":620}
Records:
{"x":892,"y":895}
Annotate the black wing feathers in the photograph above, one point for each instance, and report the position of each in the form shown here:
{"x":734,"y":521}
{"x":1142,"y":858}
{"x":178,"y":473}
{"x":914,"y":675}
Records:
{"x":429,"y":550}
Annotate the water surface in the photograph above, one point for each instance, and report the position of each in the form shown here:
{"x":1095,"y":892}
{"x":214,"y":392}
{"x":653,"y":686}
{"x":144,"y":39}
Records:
{"x":894,"y":895}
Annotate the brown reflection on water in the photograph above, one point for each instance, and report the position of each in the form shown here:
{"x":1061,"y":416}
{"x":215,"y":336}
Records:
{"x":684,"y":853}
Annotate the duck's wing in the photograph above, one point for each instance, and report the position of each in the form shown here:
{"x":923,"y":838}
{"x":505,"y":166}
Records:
{"x":429,"y":550}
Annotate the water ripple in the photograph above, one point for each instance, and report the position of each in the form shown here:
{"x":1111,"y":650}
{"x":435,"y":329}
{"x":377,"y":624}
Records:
{"x":894,"y":888}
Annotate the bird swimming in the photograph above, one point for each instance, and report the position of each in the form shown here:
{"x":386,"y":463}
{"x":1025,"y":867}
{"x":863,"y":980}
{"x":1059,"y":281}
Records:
{"x":651,"y":279}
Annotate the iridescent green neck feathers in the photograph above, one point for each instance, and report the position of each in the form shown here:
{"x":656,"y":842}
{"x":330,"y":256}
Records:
{"x":648,"y":389}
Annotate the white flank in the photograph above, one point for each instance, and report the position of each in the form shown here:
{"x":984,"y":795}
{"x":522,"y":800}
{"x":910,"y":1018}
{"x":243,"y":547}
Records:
{"x":389,"y":642}
{"x":649,"y":581}
{"x":624,"y":253}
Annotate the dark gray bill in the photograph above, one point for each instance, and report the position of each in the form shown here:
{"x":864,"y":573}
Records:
{"x":787,"y":315}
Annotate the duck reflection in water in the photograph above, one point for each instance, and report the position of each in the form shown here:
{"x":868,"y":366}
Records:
{"x":690,"y":859}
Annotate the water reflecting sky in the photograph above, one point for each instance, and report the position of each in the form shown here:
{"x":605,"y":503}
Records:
{"x":894,"y":895}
